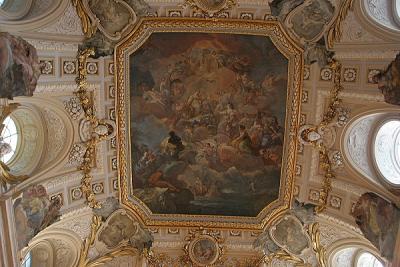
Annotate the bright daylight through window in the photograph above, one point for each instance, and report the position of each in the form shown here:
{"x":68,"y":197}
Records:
{"x":8,"y":140}
{"x":387,"y":151}
{"x":366,"y":259}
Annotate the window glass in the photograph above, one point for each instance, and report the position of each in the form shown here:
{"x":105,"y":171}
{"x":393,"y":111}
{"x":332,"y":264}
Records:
{"x":8,"y":140}
{"x":368,"y":260}
{"x":27,"y":260}
{"x":387,"y":151}
{"x":397,"y":7}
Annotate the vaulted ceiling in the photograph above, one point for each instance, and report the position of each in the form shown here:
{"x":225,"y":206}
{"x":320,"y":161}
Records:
{"x":94,"y":118}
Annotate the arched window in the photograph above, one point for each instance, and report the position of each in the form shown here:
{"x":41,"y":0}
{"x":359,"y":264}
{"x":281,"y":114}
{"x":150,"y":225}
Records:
{"x":366,"y":259}
{"x":9,"y":139}
{"x":386,"y":151}
{"x":355,"y":256}
{"x":396,"y":10}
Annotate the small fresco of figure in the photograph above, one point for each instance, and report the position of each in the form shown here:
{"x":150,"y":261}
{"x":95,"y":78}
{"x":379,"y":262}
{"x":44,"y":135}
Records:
{"x":379,"y":221}
{"x":19,"y":67}
{"x":204,"y":251}
{"x":311,"y":17}
{"x":33,"y":212}
{"x":207,"y":123}
{"x":389,"y":82}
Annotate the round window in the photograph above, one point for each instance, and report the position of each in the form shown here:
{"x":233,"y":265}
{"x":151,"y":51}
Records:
{"x":366,"y":259}
{"x":386,"y":151}
{"x":8,"y":140}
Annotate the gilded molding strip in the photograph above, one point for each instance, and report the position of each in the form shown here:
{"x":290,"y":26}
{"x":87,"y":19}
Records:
{"x":329,"y":115}
{"x":335,"y":31}
{"x":86,"y":100}
{"x":320,"y":252}
{"x":284,"y":256}
{"x":7,"y":178}
{"x":272,"y":29}
{"x":87,"y":25}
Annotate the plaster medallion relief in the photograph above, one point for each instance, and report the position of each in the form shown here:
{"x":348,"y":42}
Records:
{"x":92,"y":68}
{"x":326,"y":74}
{"x":350,"y":74}
{"x":335,"y":202}
{"x":104,"y":129}
{"x":203,"y":248}
{"x":76,"y":193}
{"x":98,"y":188}
{"x":69,"y":67}
{"x":47,"y":67}
{"x":371,"y":73}
{"x":311,"y":134}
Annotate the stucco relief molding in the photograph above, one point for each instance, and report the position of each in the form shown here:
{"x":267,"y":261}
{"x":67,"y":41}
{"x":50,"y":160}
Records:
{"x":324,"y":218}
{"x":375,"y":17}
{"x":61,"y":181}
{"x":45,"y":18}
{"x":57,"y":88}
{"x":67,"y":24}
{"x":51,"y":45}
{"x":357,"y":52}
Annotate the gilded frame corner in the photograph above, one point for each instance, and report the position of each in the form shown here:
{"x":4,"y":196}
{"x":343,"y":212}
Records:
{"x":289,"y":48}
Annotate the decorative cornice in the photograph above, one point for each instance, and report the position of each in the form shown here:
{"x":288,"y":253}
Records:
{"x":333,"y":221}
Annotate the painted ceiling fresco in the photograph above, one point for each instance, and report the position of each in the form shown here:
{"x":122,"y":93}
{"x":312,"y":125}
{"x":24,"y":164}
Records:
{"x":207,"y":123}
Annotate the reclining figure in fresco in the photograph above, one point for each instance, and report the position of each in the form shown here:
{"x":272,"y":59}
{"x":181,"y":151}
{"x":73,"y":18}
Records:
{"x":389,"y":82}
{"x":19,"y":67}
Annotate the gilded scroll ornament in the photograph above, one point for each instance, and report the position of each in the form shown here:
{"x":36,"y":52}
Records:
{"x":6,"y":110}
{"x":88,"y":27}
{"x":329,"y":115}
{"x":320,"y":251}
{"x":335,"y":31}
{"x":6,"y":177}
{"x":210,"y":8}
{"x":101,"y":129}
{"x":321,"y":136}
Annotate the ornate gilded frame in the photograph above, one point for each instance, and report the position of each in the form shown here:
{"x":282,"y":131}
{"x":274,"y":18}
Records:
{"x":284,"y":44}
